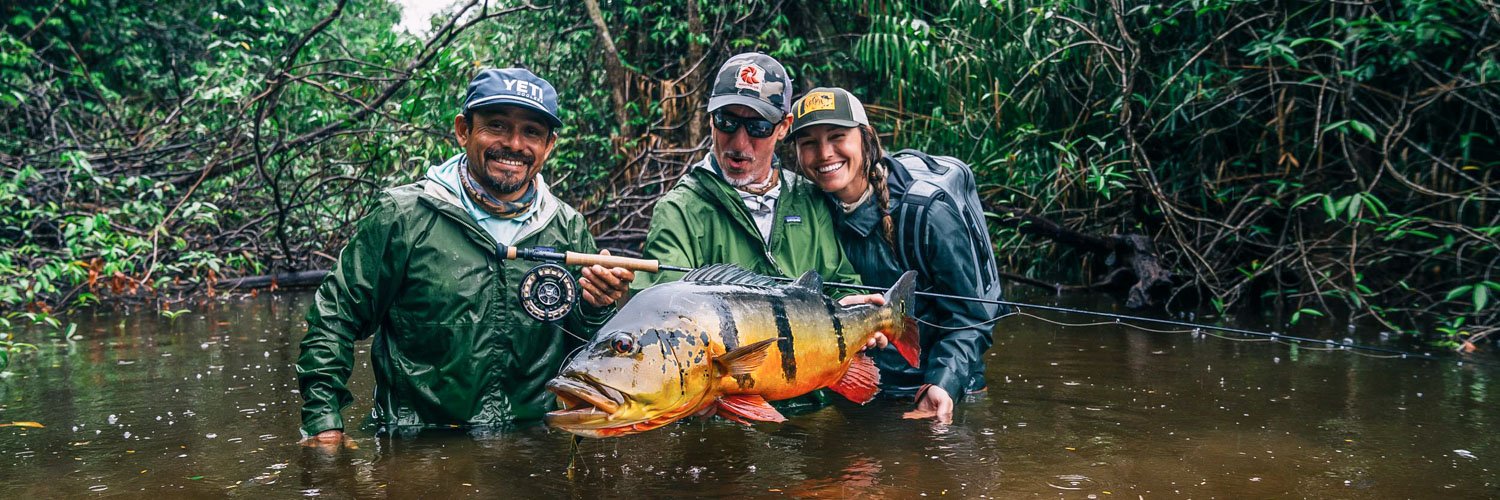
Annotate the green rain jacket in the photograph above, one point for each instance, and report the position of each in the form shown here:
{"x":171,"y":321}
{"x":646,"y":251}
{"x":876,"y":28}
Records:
{"x":703,"y":221}
{"x":452,"y":345}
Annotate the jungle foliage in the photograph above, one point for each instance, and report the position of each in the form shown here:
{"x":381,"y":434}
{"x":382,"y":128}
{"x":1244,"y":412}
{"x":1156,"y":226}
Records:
{"x":1311,"y":156}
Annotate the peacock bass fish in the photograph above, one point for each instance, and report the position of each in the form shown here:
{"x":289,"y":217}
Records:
{"x":724,"y":341}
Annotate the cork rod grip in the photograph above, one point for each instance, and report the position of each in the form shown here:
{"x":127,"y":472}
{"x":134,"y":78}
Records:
{"x":633,"y":264}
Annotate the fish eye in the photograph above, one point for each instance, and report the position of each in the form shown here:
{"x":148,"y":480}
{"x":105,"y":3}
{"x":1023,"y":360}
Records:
{"x":623,"y":345}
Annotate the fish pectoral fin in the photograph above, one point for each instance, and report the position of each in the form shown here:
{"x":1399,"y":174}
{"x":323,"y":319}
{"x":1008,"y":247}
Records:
{"x":743,"y":360}
{"x":860,"y":382}
{"x":750,"y":406}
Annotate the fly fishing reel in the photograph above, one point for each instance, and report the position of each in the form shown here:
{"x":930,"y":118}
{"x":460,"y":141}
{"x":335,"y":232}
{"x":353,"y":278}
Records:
{"x":548,"y":292}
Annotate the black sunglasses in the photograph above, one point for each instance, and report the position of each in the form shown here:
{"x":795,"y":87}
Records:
{"x":757,"y":128}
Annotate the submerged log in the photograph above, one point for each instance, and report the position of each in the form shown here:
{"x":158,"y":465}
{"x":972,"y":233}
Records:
{"x":1132,"y":257}
{"x":299,"y":279}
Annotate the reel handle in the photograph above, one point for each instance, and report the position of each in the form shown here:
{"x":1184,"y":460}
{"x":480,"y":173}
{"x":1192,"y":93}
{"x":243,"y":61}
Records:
{"x":633,"y":264}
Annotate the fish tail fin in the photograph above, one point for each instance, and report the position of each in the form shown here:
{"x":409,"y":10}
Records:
{"x":901,"y":300}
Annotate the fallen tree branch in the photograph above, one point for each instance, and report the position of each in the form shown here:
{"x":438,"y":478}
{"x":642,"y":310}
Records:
{"x":1132,"y":257}
{"x":299,"y":279}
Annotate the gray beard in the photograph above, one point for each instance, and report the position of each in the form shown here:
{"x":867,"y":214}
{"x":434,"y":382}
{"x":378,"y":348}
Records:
{"x":749,"y":181}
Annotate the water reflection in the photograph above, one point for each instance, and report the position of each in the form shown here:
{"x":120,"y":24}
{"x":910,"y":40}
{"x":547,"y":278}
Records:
{"x":205,"y":406}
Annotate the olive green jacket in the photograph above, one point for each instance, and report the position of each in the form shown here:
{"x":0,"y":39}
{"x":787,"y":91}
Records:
{"x":703,"y":221}
{"x":451,"y":343}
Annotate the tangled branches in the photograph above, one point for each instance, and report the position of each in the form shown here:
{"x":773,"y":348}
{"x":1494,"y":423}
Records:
{"x":243,"y":144}
{"x":1315,"y":156}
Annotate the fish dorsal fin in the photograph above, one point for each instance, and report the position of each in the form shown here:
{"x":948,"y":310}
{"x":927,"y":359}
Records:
{"x":810,"y":280}
{"x":728,"y":274}
{"x":745,"y":359}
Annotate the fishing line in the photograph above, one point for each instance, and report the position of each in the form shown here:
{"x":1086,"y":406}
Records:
{"x":1138,"y":327}
{"x":1195,"y":328}
{"x":569,"y":358}
{"x":573,"y":258}
{"x":1287,"y":340}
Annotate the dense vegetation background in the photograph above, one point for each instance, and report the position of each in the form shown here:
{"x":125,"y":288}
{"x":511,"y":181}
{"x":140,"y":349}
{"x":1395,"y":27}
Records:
{"x":1312,"y":157}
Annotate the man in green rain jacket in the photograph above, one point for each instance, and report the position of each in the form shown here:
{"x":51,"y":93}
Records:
{"x":452,"y":346}
{"x":738,"y":206}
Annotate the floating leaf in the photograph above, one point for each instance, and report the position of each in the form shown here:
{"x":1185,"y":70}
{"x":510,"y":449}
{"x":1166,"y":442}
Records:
{"x":32,"y":425}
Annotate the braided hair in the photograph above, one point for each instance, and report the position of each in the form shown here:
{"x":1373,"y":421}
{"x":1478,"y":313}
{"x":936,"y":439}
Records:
{"x":876,"y":172}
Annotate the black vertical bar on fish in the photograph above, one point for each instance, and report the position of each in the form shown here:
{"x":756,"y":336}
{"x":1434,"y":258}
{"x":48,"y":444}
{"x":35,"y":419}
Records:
{"x":728,"y":332}
{"x":784,"y":332}
{"x":838,"y":326}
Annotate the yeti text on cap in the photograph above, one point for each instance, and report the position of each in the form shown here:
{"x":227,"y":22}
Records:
{"x":524,"y":90}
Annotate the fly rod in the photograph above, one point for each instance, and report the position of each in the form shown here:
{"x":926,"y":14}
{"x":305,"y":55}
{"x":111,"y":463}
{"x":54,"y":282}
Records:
{"x":552,"y":256}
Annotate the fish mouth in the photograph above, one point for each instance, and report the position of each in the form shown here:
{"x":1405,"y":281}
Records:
{"x":583,"y":403}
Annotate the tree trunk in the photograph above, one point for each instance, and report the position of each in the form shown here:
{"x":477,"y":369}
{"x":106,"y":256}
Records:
{"x":699,"y":119}
{"x":614,"y":70}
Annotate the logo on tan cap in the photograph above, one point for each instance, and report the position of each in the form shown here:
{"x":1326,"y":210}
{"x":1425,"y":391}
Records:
{"x":816,"y":101}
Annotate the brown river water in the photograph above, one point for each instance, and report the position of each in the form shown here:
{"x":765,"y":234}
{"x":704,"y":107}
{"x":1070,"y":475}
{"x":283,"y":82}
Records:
{"x":204,"y":406}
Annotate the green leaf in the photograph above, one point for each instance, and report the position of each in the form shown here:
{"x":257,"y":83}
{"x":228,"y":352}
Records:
{"x":1335,"y":125}
{"x":1481,"y":297}
{"x":1363,"y":129}
{"x":1307,"y":198}
{"x":1454,"y":293}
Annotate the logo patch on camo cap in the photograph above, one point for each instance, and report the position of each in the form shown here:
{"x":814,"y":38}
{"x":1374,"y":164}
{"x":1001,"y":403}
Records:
{"x":751,"y":77}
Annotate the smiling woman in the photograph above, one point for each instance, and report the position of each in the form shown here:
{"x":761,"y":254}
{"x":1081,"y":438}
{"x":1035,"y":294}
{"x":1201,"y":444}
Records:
{"x":923,"y":224}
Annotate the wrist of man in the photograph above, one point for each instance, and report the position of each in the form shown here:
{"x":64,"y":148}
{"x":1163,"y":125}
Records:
{"x":592,"y":313}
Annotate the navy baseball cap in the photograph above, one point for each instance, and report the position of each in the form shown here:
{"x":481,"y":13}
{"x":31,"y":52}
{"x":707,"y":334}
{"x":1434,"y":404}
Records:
{"x":513,"y":86}
{"x":755,"y":80}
